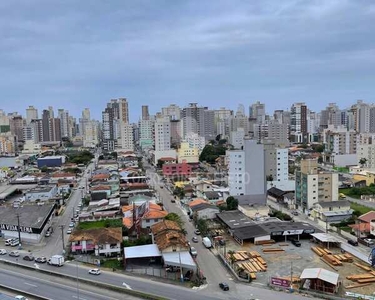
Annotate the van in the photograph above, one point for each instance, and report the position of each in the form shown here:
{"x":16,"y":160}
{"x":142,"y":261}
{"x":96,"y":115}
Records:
{"x":206,"y":242}
{"x":8,"y":242}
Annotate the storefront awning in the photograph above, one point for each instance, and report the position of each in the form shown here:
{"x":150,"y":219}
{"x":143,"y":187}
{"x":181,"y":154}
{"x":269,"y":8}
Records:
{"x":178,"y":259}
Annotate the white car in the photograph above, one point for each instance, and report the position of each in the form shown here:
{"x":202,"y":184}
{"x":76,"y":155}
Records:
{"x":94,"y":271}
{"x":69,"y":231}
{"x":19,"y":297}
{"x":3,"y":252}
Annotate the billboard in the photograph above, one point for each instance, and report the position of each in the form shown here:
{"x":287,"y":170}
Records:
{"x":280,"y":282}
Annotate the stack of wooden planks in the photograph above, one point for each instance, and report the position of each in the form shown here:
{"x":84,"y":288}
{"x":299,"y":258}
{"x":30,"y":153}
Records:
{"x":253,"y":263}
{"x":321,"y":251}
{"x":267,"y":242}
{"x":362,"y":278}
{"x":335,"y":257}
{"x":272,"y":250}
{"x":342,"y":257}
{"x":332,"y":260}
{"x":363,"y":267}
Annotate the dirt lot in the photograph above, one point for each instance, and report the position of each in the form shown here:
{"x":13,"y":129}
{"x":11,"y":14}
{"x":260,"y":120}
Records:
{"x":299,"y":258}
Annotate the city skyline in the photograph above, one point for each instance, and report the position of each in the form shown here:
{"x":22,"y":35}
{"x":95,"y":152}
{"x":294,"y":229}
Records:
{"x":316,"y":52}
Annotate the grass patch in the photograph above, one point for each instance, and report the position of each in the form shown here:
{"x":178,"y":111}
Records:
{"x":348,"y":192}
{"x":346,"y":229}
{"x":361,"y":209}
{"x":100,"y":224}
{"x":112,"y":264}
{"x":341,"y":169}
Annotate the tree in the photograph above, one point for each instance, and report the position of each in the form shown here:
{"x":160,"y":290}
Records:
{"x":232,"y":203}
{"x":363,"y":161}
{"x":176,"y":218}
{"x":179,"y":192}
{"x":222,"y":141}
{"x":160,"y":163}
{"x":202,"y":226}
{"x":232,"y":259}
{"x":44,"y":169}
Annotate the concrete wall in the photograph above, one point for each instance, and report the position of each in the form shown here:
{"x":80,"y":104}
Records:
{"x":255,"y":176}
{"x":345,"y":160}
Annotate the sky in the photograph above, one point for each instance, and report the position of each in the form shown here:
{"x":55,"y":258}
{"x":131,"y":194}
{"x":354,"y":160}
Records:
{"x":77,"y":54}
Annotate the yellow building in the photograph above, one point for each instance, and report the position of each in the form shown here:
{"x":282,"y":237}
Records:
{"x":369,"y":176}
{"x":187,"y":155}
{"x":7,"y":143}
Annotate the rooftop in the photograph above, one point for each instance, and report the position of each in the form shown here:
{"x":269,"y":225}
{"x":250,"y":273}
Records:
{"x":322,"y":274}
{"x":30,"y":215}
{"x":367,"y":217}
{"x":235,"y":219}
{"x":98,"y":235}
{"x":340,"y":203}
{"x":42,"y":189}
{"x":202,"y":206}
{"x":163,"y":226}
{"x":196,"y":202}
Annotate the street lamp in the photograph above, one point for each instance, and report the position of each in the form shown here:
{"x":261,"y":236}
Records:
{"x":19,"y":231}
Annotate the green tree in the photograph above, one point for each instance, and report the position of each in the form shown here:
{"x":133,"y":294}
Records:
{"x":176,"y":218}
{"x":179,"y":192}
{"x":160,"y":163}
{"x":232,"y":203}
{"x":44,"y":169}
{"x":202,"y":226}
{"x":320,"y":159}
{"x":362,"y":161}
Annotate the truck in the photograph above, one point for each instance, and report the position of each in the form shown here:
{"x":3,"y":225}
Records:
{"x":56,"y":260}
{"x":207,"y":242}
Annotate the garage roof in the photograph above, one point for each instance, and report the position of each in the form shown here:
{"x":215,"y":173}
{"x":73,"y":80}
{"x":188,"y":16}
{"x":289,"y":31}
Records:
{"x":249,"y":232}
{"x":235,"y":219}
{"x":325,"y":238}
{"x":182,"y":259}
{"x":322,"y":274}
{"x":142,"y":251}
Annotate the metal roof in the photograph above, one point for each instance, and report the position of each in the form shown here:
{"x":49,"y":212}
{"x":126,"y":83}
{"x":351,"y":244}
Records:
{"x":142,"y":251}
{"x":322,"y":274}
{"x":324,"y":237}
{"x":182,"y":259}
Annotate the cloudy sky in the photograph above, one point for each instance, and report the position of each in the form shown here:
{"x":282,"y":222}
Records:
{"x":76,"y":54}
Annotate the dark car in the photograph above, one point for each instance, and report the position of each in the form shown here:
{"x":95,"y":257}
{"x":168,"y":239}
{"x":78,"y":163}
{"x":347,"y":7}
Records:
{"x":195,"y":239}
{"x":353,"y":243}
{"x":296,"y":242}
{"x":28,"y":257}
{"x":188,"y":275}
{"x":221,"y":242}
{"x":224,"y":286}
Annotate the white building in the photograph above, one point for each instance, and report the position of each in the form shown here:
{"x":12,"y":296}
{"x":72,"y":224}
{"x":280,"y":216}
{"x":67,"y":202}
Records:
{"x":195,"y":141}
{"x":126,"y":141}
{"x":146,"y":134}
{"x":173,"y":111}
{"x":31,"y":114}
{"x":162,"y":134}
{"x":247,"y":169}
{"x":91,"y":137}
{"x":367,"y":151}
{"x":237,"y":138}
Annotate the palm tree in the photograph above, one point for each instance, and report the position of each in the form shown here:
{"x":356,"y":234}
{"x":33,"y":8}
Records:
{"x":231,"y":256}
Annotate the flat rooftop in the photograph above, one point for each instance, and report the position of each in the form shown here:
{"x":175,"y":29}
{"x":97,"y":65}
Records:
{"x":235,"y":219}
{"x":44,"y":189}
{"x":30,"y":215}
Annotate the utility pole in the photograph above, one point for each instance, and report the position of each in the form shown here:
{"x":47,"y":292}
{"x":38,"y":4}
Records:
{"x":291,"y":277}
{"x":19,"y":230}
{"x":62,"y":237}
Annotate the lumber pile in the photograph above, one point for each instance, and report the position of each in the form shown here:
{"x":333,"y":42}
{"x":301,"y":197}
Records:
{"x":352,"y":286}
{"x":284,"y":244}
{"x":251,"y":262}
{"x":318,"y":251}
{"x":254,"y":254}
{"x":332,"y":260}
{"x":267,"y":242}
{"x":358,"y":277}
{"x":363,"y":267}
{"x":272,"y":250}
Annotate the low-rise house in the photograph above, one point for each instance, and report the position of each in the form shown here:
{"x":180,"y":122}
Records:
{"x":169,"y":237}
{"x":364,"y":225}
{"x":99,"y":241}
{"x":172,"y":169}
{"x":101,"y":188}
{"x":100,"y":177}
{"x":214,"y":196}
{"x":205,"y":211}
{"x":332,"y":212}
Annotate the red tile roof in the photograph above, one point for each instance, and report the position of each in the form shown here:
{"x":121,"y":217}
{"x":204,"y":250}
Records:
{"x":196,"y":202}
{"x":367,"y":217}
{"x":167,"y":159}
{"x":101,"y":188}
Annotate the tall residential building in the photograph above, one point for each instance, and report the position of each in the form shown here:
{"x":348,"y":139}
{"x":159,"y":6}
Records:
{"x":86,"y":117}
{"x":63,"y":115}
{"x":330,"y":116}
{"x":4,"y":119}
{"x":313,"y":186}
{"x":298,"y":125}
{"x":124,"y":110}
{"x":45,"y":123}
{"x":31,"y":114}
{"x":209,"y":124}
{"x":247,"y":169}
{"x":145,"y":113}
{"x":276,"y":162}
{"x":367,"y":151}
{"x":258,"y":111}
{"x":176,"y":135}
{"x":54,"y":130}
{"x":146,"y":134}
{"x":126,"y":141}
{"x":8,"y":144}
{"x":237,"y":138}
{"x":240,"y":121}
{"x":51,"y":111}
{"x":91,"y":136}
{"x":339,"y":140}
{"x":173,"y":111}
{"x":162,"y":134}
{"x":361,"y":114}
{"x":16,"y":126}
{"x":274,"y":131}
{"x":193,"y":119}
{"x":34,"y":131}
{"x":223,"y":119}
{"x":195,"y":141}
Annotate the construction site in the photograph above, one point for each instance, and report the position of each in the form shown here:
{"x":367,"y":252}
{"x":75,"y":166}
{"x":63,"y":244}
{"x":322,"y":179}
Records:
{"x":270,"y":261}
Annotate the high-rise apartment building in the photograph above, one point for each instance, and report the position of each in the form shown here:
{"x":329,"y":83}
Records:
{"x":126,"y":141}
{"x":45,"y":125}
{"x":16,"y":123}
{"x":173,"y":111}
{"x":31,"y":114}
{"x":146,"y":134}
{"x":145,"y":113}
{"x":8,"y":144}
{"x":258,"y":111}
{"x":63,"y":115}
{"x":339,"y":140}
{"x":298,"y":122}
{"x":162,"y":134}
{"x":54,"y":130}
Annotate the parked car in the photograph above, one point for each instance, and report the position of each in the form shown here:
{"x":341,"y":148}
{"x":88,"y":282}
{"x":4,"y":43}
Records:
{"x":173,"y":201}
{"x":172,"y":269}
{"x":14,"y":254}
{"x":28,"y":257}
{"x":224,"y":286}
{"x":295,"y":213}
{"x":221,"y":242}
{"x":71,"y":224}
{"x":41,"y":260}
{"x":69,"y":231}
{"x":8,"y":242}
{"x":195,"y":239}
{"x":369,"y":242}
{"x":15,"y":243}
{"x":193,"y":252}
{"x":353,"y":243}
{"x":94,"y":272}
{"x":19,"y":297}
{"x":296,"y":242}
{"x":197,"y":232}
{"x":3,"y":252}
{"x":47,"y":234}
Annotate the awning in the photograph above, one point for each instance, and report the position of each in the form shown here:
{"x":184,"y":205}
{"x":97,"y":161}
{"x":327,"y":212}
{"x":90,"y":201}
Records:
{"x":325,"y":238}
{"x":144,"y":251}
{"x":178,"y":259}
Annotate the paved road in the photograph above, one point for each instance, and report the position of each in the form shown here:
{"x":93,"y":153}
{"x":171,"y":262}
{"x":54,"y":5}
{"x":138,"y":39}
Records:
{"x":53,"y":244}
{"x":56,"y":289}
{"x":362,"y":202}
